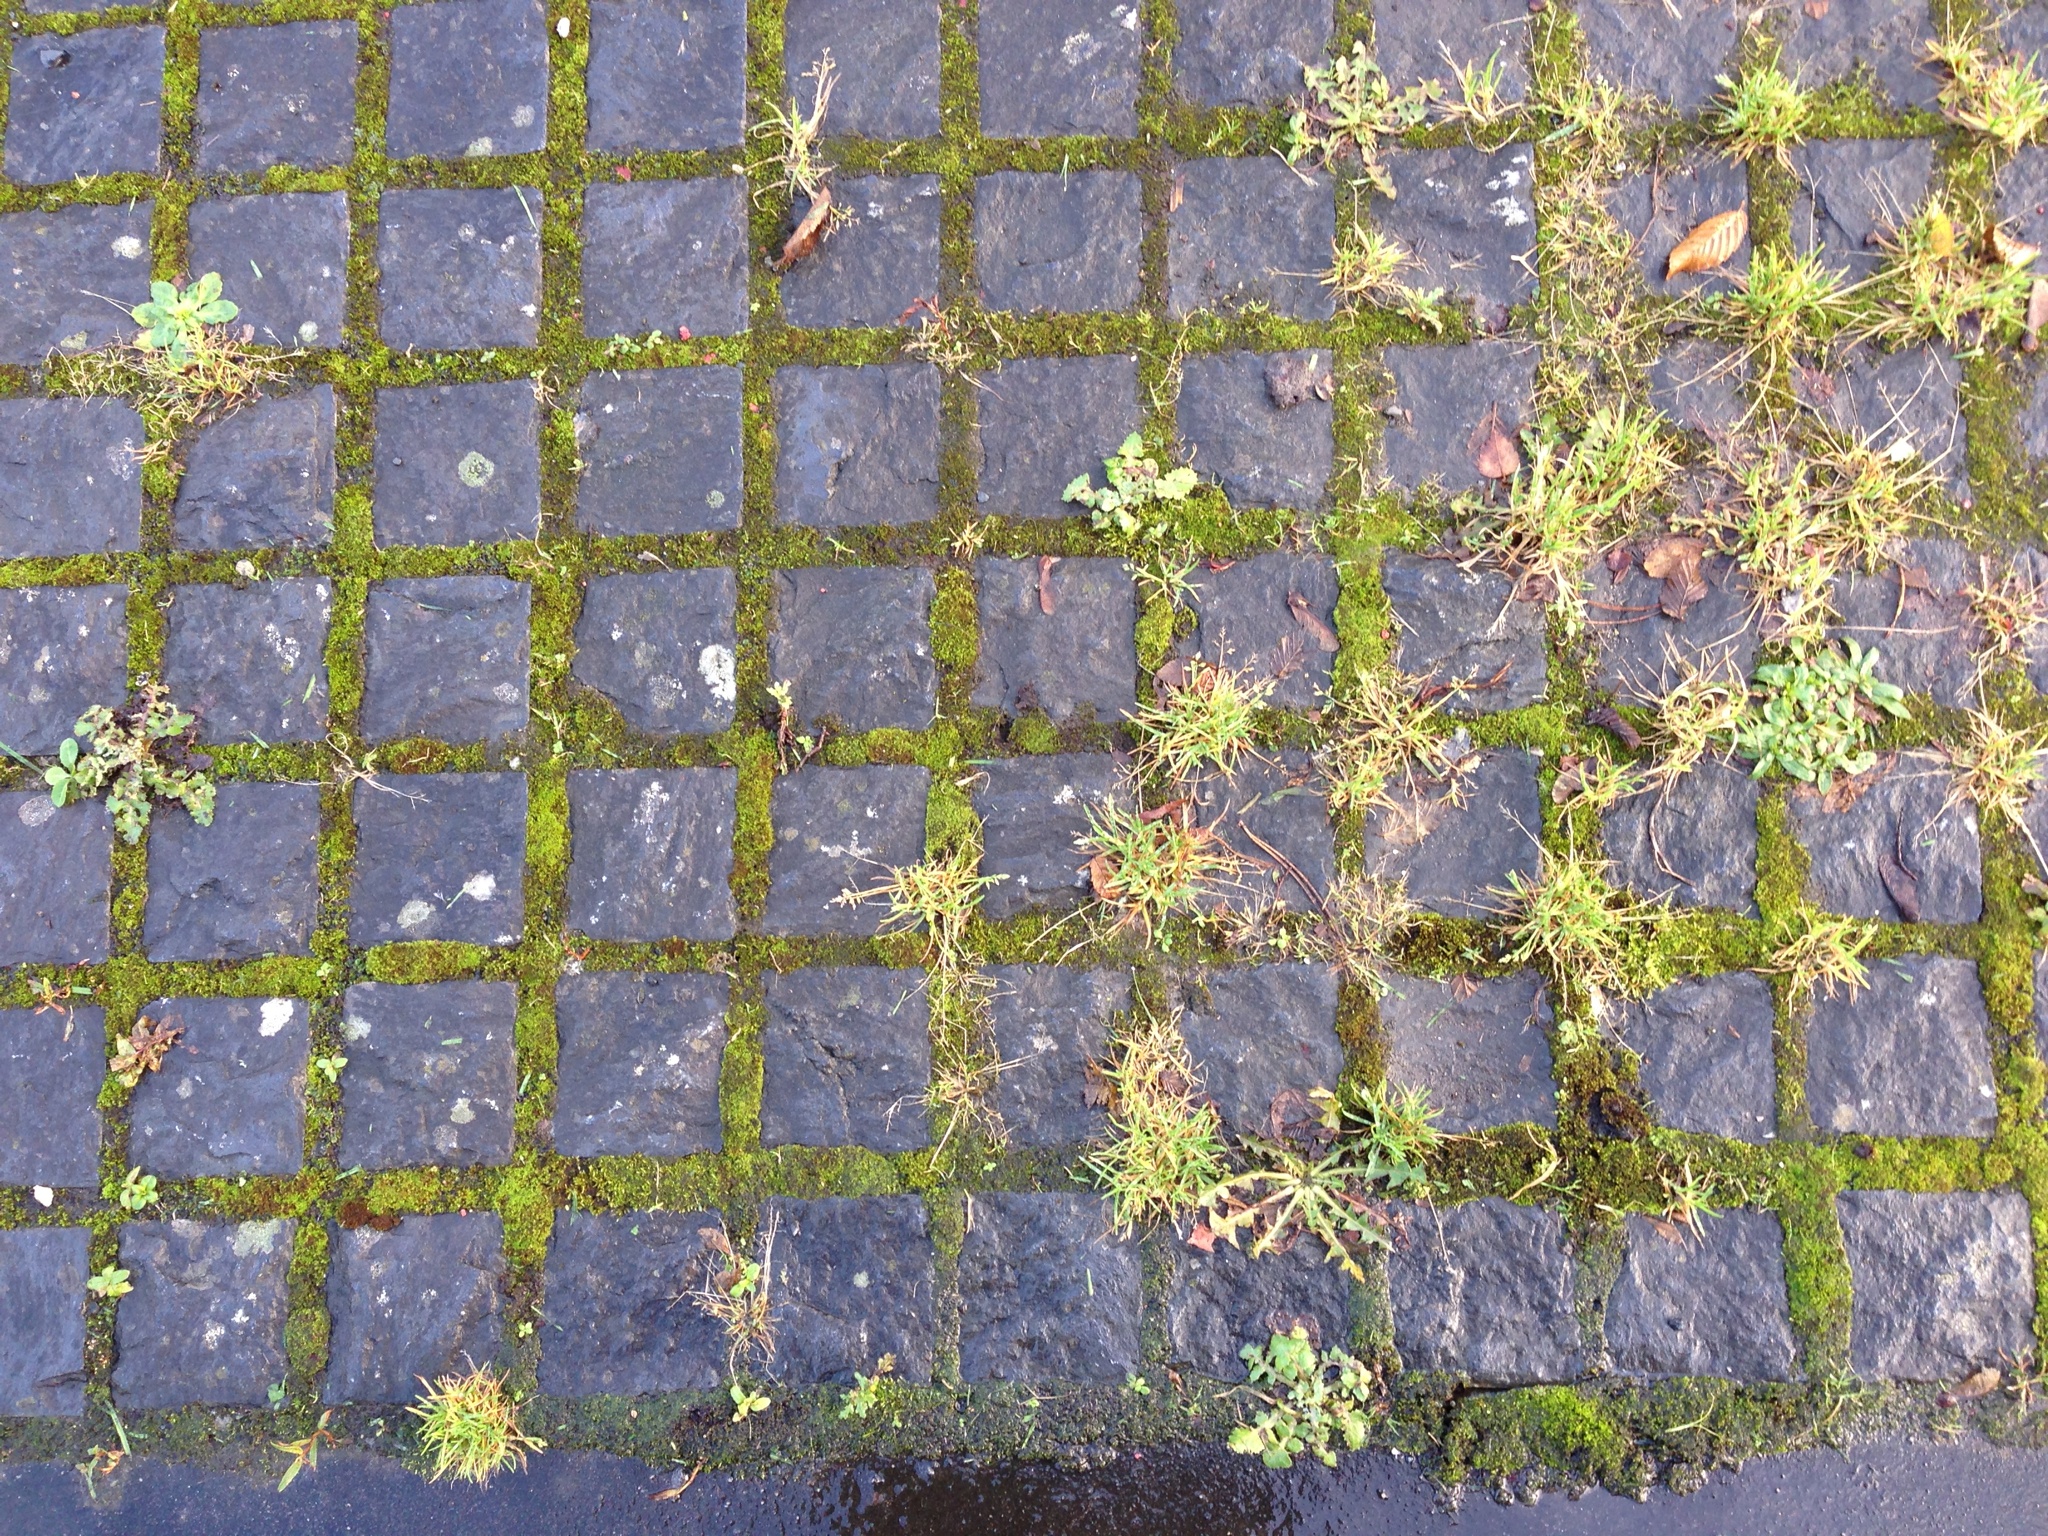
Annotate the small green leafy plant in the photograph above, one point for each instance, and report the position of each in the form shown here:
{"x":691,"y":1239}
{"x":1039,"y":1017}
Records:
{"x":1815,"y":715}
{"x":1310,"y":1400}
{"x":866,"y":1394}
{"x":305,"y":1451}
{"x":1137,"y":500}
{"x":136,"y":1192}
{"x":111,"y":1283}
{"x":176,"y":321}
{"x":746,"y":1402}
{"x":469,"y":1427}
{"x":132,"y":754}
{"x":1348,"y":106}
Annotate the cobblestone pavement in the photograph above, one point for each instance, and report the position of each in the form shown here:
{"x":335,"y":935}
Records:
{"x":511,"y":963}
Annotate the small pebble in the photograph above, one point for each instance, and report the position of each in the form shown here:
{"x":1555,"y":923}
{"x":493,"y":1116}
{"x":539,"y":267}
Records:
{"x":562,"y":27}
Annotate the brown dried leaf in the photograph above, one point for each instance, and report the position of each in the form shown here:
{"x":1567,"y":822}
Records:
{"x":1464,"y":987}
{"x":1619,"y":559}
{"x":1609,"y":719}
{"x":1674,"y":560}
{"x":2037,"y":314}
{"x":1711,"y":242}
{"x":2009,"y":250}
{"x":1571,"y":778}
{"x":1902,"y":885}
{"x":2033,"y":885}
{"x":1979,"y":1383}
{"x":810,"y":229}
{"x":1170,"y":808}
{"x":1815,"y":9}
{"x":1045,"y":565}
{"x":1202,"y":1238}
{"x":1095,"y":1086}
{"x":1102,"y":877}
{"x":1493,"y":452}
{"x":1311,"y":621}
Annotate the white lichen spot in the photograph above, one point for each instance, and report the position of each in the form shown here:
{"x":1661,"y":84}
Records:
{"x":277,"y":1012}
{"x":480,"y":146}
{"x":309,"y":332}
{"x":1064,"y":796}
{"x":522,"y":116}
{"x":474,"y":470}
{"x":506,"y":693}
{"x":1506,"y":179}
{"x":34,"y":813}
{"x":654,"y":798}
{"x":355,"y":1027}
{"x":77,"y":341}
{"x":715,"y":666}
{"x":1509,"y":212}
{"x":1127,"y":17}
{"x":283,"y":646}
{"x":415,"y":914}
{"x":255,"y":1237}
{"x":128,"y":248}
{"x":460,"y":1112}
{"x":714,"y":497}
{"x":184,"y":1087}
{"x":446,"y":1139}
{"x":214,"y":1332}
{"x":1079,"y":48}
{"x":860,"y":1280}
{"x":480,"y":887}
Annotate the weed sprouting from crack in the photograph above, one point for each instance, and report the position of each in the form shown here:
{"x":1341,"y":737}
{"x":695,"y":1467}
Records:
{"x":148,"y":1042}
{"x":143,"y":752}
{"x":1364,"y":273}
{"x":1382,"y":729}
{"x":1310,"y":1399}
{"x":469,"y":1426}
{"x":1814,"y":714}
{"x":734,"y":1293}
{"x":1998,"y":96}
{"x":1824,"y":952}
{"x":1574,"y":923}
{"x":794,"y":134}
{"x":1346,"y":108}
{"x":1998,"y":766}
{"x":1210,"y":720}
{"x":1147,"y":867}
{"x":1761,"y":112}
{"x":1165,"y":1143}
{"x":2011,"y":609}
{"x":1934,"y":284}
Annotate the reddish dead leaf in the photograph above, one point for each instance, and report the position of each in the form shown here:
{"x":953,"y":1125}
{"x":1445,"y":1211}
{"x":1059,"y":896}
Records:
{"x":1045,"y":565}
{"x":1571,"y":777}
{"x":1619,"y":559}
{"x":1711,"y":242}
{"x":1202,"y":1238}
{"x":1674,"y":560}
{"x":2037,"y":314}
{"x":1157,"y":812}
{"x":1464,"y":987}
{"x":1094,"y":1086}
{"x":1213,"y":565}
{"x":1914,"y":578}
{"x":1668,"y":1231}
{"x":1493,"y":452}
{"x":810,"y":229}
{"x":1902,"y":885}
{"x":1815,"y":9}
{"x":1848,"y":789}
{"x":669,"y":1495}
{"x":1102,"y":877}
{"x":1172,"y":674}
{"x":1977,"y":1384}
{"x":1311,"y":621}
{"x":1289,"y":659}
{"x":1609,"y":719}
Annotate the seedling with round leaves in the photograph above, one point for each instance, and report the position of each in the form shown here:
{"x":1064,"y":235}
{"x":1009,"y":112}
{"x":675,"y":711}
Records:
{"x":175,"y":321}
{"x":133,"y":754}
{"x":1310,"y":1400}
{"x":1137,"y":501}
{"x":1814,"y":715}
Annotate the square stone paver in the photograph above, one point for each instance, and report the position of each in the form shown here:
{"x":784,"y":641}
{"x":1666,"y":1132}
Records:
{"x":229,"y":1100}
{"x":251,"y":664}
{"x":839,"y":829}
{"x":1410,"y":39}
{"x":1258,"y":1032}
{"x":1444,"y":403}
{"x":459,"y":267}
{"x":1484,"y":1291}
{"x":205,"y":1321}
{"x":1247,"y":53}
{"x":613,"y":1321}
{"x":277,"y":95}
{"x":1222,"y":1300}
{"x":1060,"y":67}
{"x":660,"y":647}
{"x":1033,"y":810}
{"x":667,"y":256}
{"x":1889,"y":398}
{"x":283,"y":259}
{"x":1467,"y":219}
{"x":1057,"y":637}
{"x":851,"y":1281}
{"x":1044,"y":420}
{"x":1855,"y":193}
{"x":431,"y":1074}
{"x":1700,"y":386}
{"x":1896,"y":822}
{"x":650,"y":853}
{"x":1670,"y":53}
{"x":458,"y":464}
{"x":468,"y":78}
{"x":872,"y":270}
{"x":420,"y":1301}
{"x":1456,"y":858}
{"x":1706,"y":1057}
{"x":445,"y":657}
{"x":62,"y":650}
{"x":439,"y":856}
{"x":1658,"y":207}
{"x":1943,"y":1283}
{"x":667,"y":74}
{"x":1908,"y":1055}
{"x":855,"y":644}
{"x":56,"y":874}
{"x":1048,"y":1292}
{"x":53,"y":268}
{"x":1234,"y":432}
{"x":2022,"y":188}
{"x":1886,"y":39}
{"x":1246,"y":622}
{"x":262,"y":478}
{"x":1050,"y":1023}
{"x":845,"y":1059}
{"x":1704,"y":1303}
{"x":52,"y":1062}
{"x":1641,"y":652}
{"x":1067,"y":244}
{"x":70,"y":483}
{"x":1271,"y":818}
{"x":660,"y":451}
{"x":42,"y":1321}
{"x":639,"y":1064}
{"x":245,"y":887}
{"x":1466,"y":627}
{"x":888,"y":57}
{"x":1250,"y":231}
{"x":85,"y":105}
{"x":1479,"y":1048}
{"x":857,"y":445}
{"x":1692,"y":843}
{"x":1915,"y":612}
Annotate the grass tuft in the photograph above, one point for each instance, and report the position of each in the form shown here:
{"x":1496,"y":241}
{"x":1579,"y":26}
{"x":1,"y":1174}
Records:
{"x":1997,"y":96}
{"x":1165,"y":1144}
{"x":1761,"y":113}
{"x":469,"y":1425}
{"x":1210,"y":720}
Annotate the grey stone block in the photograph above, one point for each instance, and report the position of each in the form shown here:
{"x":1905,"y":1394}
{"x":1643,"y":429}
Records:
{"x":1220,"y":1301}
{"x":468,"y":79}
{"x":667,"y":75}
{"x":1247,"y":53}
{"x":229,"y":1100}
{"x":59,"y":268}
{"x":1885,"y":38}
{"x":1032,"y":810}
{"x":650,"y":853}
{"x":439,"y":856}
{"x":851,"y":1281}
{"x":205,"y":1322}
{"x":1911,"y":396}
{"x":1706,"y":1057}
{"x":665,"y":256}
{"x":1853,"y":194}
{"x":1050,"y":1023}
{"x":70,"y":480}
{"x":661,"y":451}
{"x":1060,"y":67}
{"x":855,"y":644}
{"x":1457,"y":859}
{"x":42,"y":1321}
{"x":1467,"y":218}
{"x":834,"y":827}
{"x":56,"y":875}
{"x":1693,"y":842}
{"x":1900,"y":821}
{"x":1062,"y":244}
{"x":283,"y":259}
{"x":1943,"y":1284}
{"x":1909,"y":1055}
{"x":1705,"y":1303}
{"x":276,"y":95}
{"x":62,"y":650}
{"x":261,"y":478}
{"x":1455,"y":626}
{"x":421,"y":1301}
{"x":1061,"y":639}
{"x":1641,"y":653}
{"x":445,"y":657}
{"x":857,"y":445}
{"x":614,"y":1324}
{"x":1262,"y":456}
{"x":845,"y":1059}
{"x":1916,"y":613}
{"x":1480,"y":1049}
{"x":431,"y":1074}
{"x":245,"y":887}
{"x":1411,"y":38}
{"x":1045,"y":420}
{"x":52,"y":1062}
{"x":251,"y":664}
{"x":871,"y":271}
{"x":639,"y":1064}
{"x":85,"y":105}
{"x":1261,"y":1032}
{"x":459,"y":267}
{"x":1700,"y":386}
{"x":660,"y":646}
{"x":1484,"y":1291}
{"x":1048,"y":1292}
{"x":1670,"y":55}
{"x":1250,"y":231}
{"x":1245,"y":621}
{"x":1443,"y":402}
{"x":1270,"y":817}
{"x":458,"y":464}
{"x":888,"y":57}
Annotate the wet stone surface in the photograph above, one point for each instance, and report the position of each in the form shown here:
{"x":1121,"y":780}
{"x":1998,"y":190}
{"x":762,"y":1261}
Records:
{"x":42,"y":1321}
{"x":1044,"y":420}
{"x":855,"y":644}
{"x":1250,"y":231}
{"x":1456,"y":626}
{"x":1246,"y":621}
{"x":1853,"y":193}
{"x":459,"y":268}
{"x":1247,"y":53}
{"x":1455,"y":857}
{"x":251,"y":664}
{"x":244,"y":887}
{"x":1221,"y":1300}
{"x":1699,"y":386}
{"x":1894,"y":824}
{"x":1060,"y":67}
{"x":468,"y":79}
{"x":1063,"y":244}
{"x":1467,"y":219}
{"x":1883,"y":39}
{"x":51,"y":267}
{"x":1658,"y":207}
{"x":1243,"y":1072}
{"x":439,"y":856}
{"x":1642,"y":651}
{"x":229,"y":1100}
{"x":422,"y":1300}
{"x":205,"y":1323}
{"x":1410,"y":38}
{"x":660,"y":647}
{"x":1271,"y":818}
{"x":1915,"y":612}
{"x":888,"y":57}
{"x":1895,"y":397}
{"x":857,"y":445}
{"x":1669,"y":53}
{"x":667,"y":74}
{"x":651,"y":853}
{"x":2022,"y":184}
{"x":458,"y":464}
{"x":62,"y":650}
{"x":1705,"y":1052}
{"x":613,"y":1324}
{"x":871,"y":271}
{"x":1032,"y":810}
{"x":639,"y":1063}
{"x":276,"y":95}
{"x":446,"y":657}
{"x":285,"y":260}
{"x":661,"y":450}
{"x":1058,"y":637}
{"x":69,"y":482}
{"x":1484,"y":1291}
{"x":1047,"y":1292}
{"x":1234,"y":433}
{"x":845,"y":1052}
{"x":1909,"y":1055}
{"x":85,"y":105}
{"x":1479,"y":1047}
{"x":853,"y":1282}
{"x":667,"y":256}
{"x":1705,"y":1303}
{"x":52,"y":1063}
{"x":56,"y":873}
{"x":1692,"y":842}
{"x":1943,"y":1283}
{"x":1444,"y":402}
{"x":1050,"y":1022}
{"x":834,"y":827}
{"x":431,"y":1076}
{"x":261,"y":478}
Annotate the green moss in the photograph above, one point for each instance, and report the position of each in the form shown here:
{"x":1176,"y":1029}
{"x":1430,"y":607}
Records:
{"x":1033,"y":731}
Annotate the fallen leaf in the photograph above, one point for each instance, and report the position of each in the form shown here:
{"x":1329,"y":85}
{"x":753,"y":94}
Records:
{"x":1571,"y":777}
{"x":1292,"y":378}
{"x":1464,"y":987}
{"x":1172,"y":674}
{"x":1711,"y":242}
{"x":1177,"y":191}
{"x":1094,"y":1086}
{"x":1045,"y":565}
{"x":1674,"y":560}
{"x":1665,"y":1229}
{"x":1493,"y":452}
{"x":1171,"y":807}
{"x":2012,"y":252}
{"x":2037,"y":314}
{"x":1980,"y":1383}
{"x":810,"y":229}
{"x":2033,"y":885}
{"x":1311,"y":621}
{"x":1102,"y":877}
{"x":1619,"y":559}
{"x":1609,"y":719}
{"x":1941,"y":233}
{"x":1902,"y":885}
{"x":1202,"y":1238}
{"x":1815,"y":9}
